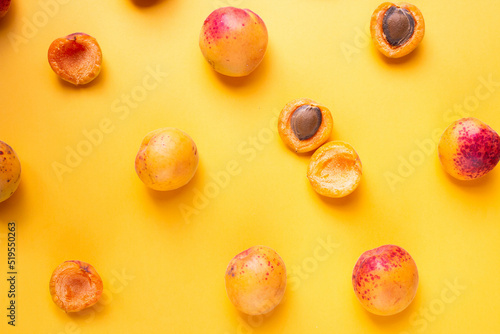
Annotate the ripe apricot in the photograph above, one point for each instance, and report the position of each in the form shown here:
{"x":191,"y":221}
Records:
{"x":233,"y":41}
{"x":385,"y":280}
{"x":75,"y":285}
{"x":397,"y":29}
{"x":469,"y":149}
{"x":10,"y":171}
{"x":167,"y":159}
{"x":256,"y":280}
{"x":304,"y":125}
{"x":4,"y":7}
{"x":76,"y":58}
{"x":335,"y":169}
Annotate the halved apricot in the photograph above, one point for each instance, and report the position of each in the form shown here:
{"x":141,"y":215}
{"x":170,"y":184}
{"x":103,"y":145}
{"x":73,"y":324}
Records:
{"x":76,"y":58}
{"x":397,"y":29}
{"x":335,"y":169}
{"x":75,"y":285}
{"x":4,"y":7}
{"x":304,"y":125}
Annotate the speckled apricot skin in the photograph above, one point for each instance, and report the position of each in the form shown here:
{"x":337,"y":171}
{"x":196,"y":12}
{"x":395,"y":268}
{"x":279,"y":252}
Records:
{"x":378,"y":35}
{"x":385,"y":280}
{"x":167,"y":159}
{"x":469,"y":149}
{"x":75,"y":285}
{"x":76,"y":58}
{"x":233,"y":41}
{"x":286,"y":133}
{"x":256,"y":280}
{"x":10,"y":171}
{"x":335,"y":169}
{"x":4,"y":7}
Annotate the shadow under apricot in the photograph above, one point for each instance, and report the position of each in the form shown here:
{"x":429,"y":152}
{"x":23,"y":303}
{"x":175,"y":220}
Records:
{"x":15,"y":202}
{"x":146,"y":3}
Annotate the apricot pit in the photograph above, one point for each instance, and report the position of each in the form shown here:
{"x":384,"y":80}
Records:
{"x":304,"y":125}
{"x":75,"y":285}
{"x":76,"y":58}
{"x":397,"y":29}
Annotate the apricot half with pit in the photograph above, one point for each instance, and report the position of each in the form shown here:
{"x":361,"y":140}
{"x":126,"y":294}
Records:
{"x":233,"y":41}
{"x":385,"y":280}
{"x":167,"y":159}
{"x":335,"y":169}
{"x":469,"y":149}
{"x":76,"y":58}
{"x":75,"y":285}
{"x":397,"y":29}
{"x":304,"y":125}
{"x":4,"y":7}
{"x":256,"y":280}
{"x":10,"y":171}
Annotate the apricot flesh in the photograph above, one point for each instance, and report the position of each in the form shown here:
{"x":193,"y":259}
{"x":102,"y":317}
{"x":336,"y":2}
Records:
{"x":75,"y":285}
{"x":4,"y":7}
{"x":167,"y":159}
{"x":256,"y":280}
{"x":397,"y":29}
{"x":76,"y":58}
{"x":233,"y":41}
{"x":10,"y":171}
{"x":304,"y":125}
{"x":385,"y":280}
{"x":335,"y":169}
{"x":469,"y":149}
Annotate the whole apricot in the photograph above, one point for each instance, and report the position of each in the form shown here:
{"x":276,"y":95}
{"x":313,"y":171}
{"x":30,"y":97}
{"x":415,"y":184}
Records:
{"x":167,"y":159}
{"x":385,"y":280}
{"x":233,"y":41}
{"x":10,"y":171}
{"x":335,"y":169}
{"x":469,"y":149}
{"x":75,"y":285}
{"x":4,"y":7}
{"x":397,"y":29}
{"x":76,"y":58}
{"x":256,"y":280}
{"x":304,"y":125}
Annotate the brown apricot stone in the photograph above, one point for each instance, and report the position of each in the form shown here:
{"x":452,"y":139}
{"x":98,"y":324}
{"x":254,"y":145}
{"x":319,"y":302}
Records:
{"x":76,"y":58}
{"x":75,"y":285}
{"x":397,"y":29}
{"x":304,"y":125}
{"x":335,"y":169}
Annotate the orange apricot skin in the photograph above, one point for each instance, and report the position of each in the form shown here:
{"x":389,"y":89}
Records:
{"x":385,"y":280}
{"x":167,"y":159}
{"x":75,"y":285}
{"x":4,"y":7}
{"x":76,"y":58}
{"x":10,"y":171}
{"x":256,"y":280}
{"x":378,"y":35}
{"x":233,"y":41}
{"x":335,"y":169}
{"x":469,"y":149}
{"x":286,"y":133}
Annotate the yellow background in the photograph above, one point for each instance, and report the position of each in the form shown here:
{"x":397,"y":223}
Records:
{"x":164,"y":272}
